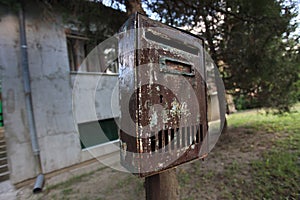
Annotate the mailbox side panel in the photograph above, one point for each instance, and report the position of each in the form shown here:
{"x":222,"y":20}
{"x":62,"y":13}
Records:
{"x":128,"y":98}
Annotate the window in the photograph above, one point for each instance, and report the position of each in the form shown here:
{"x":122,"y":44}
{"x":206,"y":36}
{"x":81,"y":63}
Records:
{"x":97,"y":132}
{"x":77,"y":51}
{"x":87,"y":55}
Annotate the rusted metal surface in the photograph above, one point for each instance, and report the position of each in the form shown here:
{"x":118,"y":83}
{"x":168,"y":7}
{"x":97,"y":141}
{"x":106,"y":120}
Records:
{"x":163,"y":100}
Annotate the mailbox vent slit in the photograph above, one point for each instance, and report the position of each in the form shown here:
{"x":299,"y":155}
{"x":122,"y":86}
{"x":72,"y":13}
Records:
{"x":166,"y":137}
{"x":153,"y":142}
{"x":160,"y":140}
{"x":178,"y":138}
{"x":183,"y":137}
{"x":201,"y":133}
{"x":172,"y":139}
{"x":197,"y":134}
{"x":193,"y":135}
{"x":188,"y":133}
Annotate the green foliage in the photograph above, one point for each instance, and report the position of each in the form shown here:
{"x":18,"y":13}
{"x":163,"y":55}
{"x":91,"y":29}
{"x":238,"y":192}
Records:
{"x":253,"y":43}
{"x":92,"y":17}
{"x":12,"y":5}
{"x":243,"y":102}
{"x":9,"y":2}
{"x":269,"y":61}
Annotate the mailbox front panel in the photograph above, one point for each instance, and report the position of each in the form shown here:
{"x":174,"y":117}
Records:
{"x":166,"y":97}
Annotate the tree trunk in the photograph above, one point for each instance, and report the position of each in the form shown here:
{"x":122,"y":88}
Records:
{"x":163,"y":186}
{"x":133,"y":6}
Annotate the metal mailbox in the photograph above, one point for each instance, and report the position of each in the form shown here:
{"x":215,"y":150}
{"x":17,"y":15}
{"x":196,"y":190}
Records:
{"x":163,"y":96}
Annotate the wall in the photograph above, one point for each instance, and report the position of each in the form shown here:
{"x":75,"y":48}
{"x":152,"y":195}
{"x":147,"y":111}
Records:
{"x":51,"y":83}
{"x":20,"y":157}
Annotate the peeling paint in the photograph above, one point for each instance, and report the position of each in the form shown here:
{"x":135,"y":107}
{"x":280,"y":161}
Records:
{"x":165,"y":116}
{"x":153,"y":119}
{"x":175,"y":110}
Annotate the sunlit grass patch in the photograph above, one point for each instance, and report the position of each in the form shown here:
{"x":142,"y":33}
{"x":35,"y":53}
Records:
{"x":260,"y":120}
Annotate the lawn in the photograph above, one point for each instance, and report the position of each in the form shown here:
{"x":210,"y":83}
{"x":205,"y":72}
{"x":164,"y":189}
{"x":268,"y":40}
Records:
{"x":276,"y":174}
{"x":257,"y":158}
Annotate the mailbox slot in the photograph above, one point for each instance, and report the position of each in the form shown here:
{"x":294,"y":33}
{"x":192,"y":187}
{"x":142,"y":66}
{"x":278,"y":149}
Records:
{"x":176,"y":67}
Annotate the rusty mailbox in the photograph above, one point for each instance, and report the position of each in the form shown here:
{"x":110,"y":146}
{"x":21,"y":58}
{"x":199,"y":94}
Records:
{"x":163,"y":99}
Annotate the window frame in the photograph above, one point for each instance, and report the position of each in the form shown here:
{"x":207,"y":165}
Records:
{"x":89,"y":68}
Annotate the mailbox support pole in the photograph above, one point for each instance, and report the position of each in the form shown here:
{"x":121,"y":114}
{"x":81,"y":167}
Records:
{"x":163,"y":186}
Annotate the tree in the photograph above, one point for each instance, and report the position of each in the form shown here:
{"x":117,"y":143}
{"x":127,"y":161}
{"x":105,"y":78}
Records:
{"x":252,"y":43}
{"x":133,"y":6}
{"x":265,"y":69}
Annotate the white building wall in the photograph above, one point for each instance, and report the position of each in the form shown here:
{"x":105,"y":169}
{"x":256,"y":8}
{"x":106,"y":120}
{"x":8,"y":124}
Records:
{"x":51,"y":83}
{"x":20,"y":157}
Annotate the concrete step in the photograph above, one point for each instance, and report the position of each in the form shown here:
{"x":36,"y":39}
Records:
{"x":4,"y":176}
{"x":4,"y":171}
{"x":3,"y":161}
{"x":2,"y":154}
{"x":2,"y":137}
{"x":2,"y":142}
{"x":3,"y":168}
{"x":2,"y":148}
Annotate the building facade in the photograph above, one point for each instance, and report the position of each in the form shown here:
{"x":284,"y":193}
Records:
{"x":69,"y":102}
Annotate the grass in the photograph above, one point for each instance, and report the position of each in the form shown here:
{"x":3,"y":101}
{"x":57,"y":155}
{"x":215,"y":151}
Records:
{"x":276,"y":175}
{"x":122,"y":184}
{"x":73,"y":180}
{"x":259,"y":120}
{"x":65,"y":189}
{"x":274,"y":171}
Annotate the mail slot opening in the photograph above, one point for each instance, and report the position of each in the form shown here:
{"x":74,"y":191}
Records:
{"x":176,"y":67}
